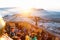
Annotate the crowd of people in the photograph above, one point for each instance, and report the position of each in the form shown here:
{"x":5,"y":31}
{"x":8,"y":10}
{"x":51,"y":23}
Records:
{"x":24,"y":34}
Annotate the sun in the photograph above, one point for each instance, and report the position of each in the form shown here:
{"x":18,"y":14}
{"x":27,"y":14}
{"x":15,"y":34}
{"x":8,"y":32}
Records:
{"x":26,"y":9}
{"x":26,"y":12}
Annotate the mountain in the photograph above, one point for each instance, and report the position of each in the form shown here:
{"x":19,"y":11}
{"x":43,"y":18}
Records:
{"x":53,"y":26}
{"x":52,"y":16}
{"x":47,"y":15}
{"x":42,"y":13}
{"x":17,"y":18}
{"x":7,"y":8}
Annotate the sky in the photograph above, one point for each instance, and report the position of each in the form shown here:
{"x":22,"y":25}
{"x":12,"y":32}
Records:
{"x":25,"y":4}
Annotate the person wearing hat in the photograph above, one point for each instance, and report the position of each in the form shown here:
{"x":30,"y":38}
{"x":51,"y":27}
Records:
{"x":12,"y":32}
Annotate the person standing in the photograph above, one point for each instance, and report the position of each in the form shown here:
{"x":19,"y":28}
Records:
{"x":27,"y":37}
{"x":34,"y":37}
{"x":12,"y":32}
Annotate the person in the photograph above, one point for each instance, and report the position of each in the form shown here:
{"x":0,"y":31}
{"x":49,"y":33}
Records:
{"x":39,"y":36}
{"x":44,"y":36}
{"x":12,"y":32}
{"x":34,"y":36}
{"x":27,"y":37}
{"x":7,"y":28}
{"x":19,"y":36}
{"x":3,"y":36}
{"x":22,"y":35}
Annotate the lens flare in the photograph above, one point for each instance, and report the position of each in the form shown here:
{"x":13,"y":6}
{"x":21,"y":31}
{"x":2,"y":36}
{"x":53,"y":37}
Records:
{"x":26,"y":11}
{"x":2,"y":39}
{"x":2,"y":26}
{"x":2,"y":23}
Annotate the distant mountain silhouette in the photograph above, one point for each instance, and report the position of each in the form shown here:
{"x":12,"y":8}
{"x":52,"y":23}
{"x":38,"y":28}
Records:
{"x":17,"y":18}
{"x":47,"y":15}
{"x":44,"y":14}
